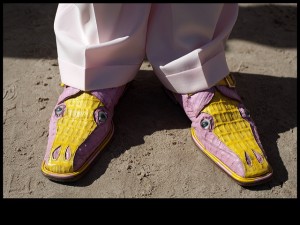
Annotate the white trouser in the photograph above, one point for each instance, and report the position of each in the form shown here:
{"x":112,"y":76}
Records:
{"x":103,"y":45}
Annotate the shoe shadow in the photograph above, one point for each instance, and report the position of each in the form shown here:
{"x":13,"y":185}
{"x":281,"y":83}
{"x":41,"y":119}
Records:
{"x":145,"y":109}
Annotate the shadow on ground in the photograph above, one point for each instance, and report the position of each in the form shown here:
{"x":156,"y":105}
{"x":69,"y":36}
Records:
{"x":33,"y":35}
{"x":271,"y":25}
{"x":272,"y":100}
{"x":273,"y":105}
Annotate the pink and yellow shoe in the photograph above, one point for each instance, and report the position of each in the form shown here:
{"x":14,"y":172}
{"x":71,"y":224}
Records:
{"x":223,"y":129}
{"x":80,"y":127}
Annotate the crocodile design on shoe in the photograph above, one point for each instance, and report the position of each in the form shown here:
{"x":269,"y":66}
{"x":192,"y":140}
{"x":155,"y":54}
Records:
{"x":80,"y":127}
{"x":224,"y":130}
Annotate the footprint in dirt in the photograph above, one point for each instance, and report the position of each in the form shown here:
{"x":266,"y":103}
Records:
{"x":9,"y":92}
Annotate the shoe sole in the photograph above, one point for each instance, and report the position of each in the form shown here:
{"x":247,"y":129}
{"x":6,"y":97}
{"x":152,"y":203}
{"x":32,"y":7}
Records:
{"x":240,"y":180}
{"x":70,"y":177}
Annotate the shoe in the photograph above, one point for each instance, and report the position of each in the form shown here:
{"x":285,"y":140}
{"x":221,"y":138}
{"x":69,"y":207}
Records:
{"x":224,"y":130}
{"x":80,"y":127}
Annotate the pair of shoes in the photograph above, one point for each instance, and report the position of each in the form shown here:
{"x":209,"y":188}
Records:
{"x":81,"y":126}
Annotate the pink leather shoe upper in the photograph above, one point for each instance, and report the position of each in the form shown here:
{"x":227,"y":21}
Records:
{"x":108,"y":98}
{"x":194,"y":106}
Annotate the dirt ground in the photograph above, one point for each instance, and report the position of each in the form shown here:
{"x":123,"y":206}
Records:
{"x":151,"y":154}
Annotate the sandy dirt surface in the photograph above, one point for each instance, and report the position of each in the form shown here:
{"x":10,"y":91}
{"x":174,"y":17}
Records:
{"x":151,"y":154}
